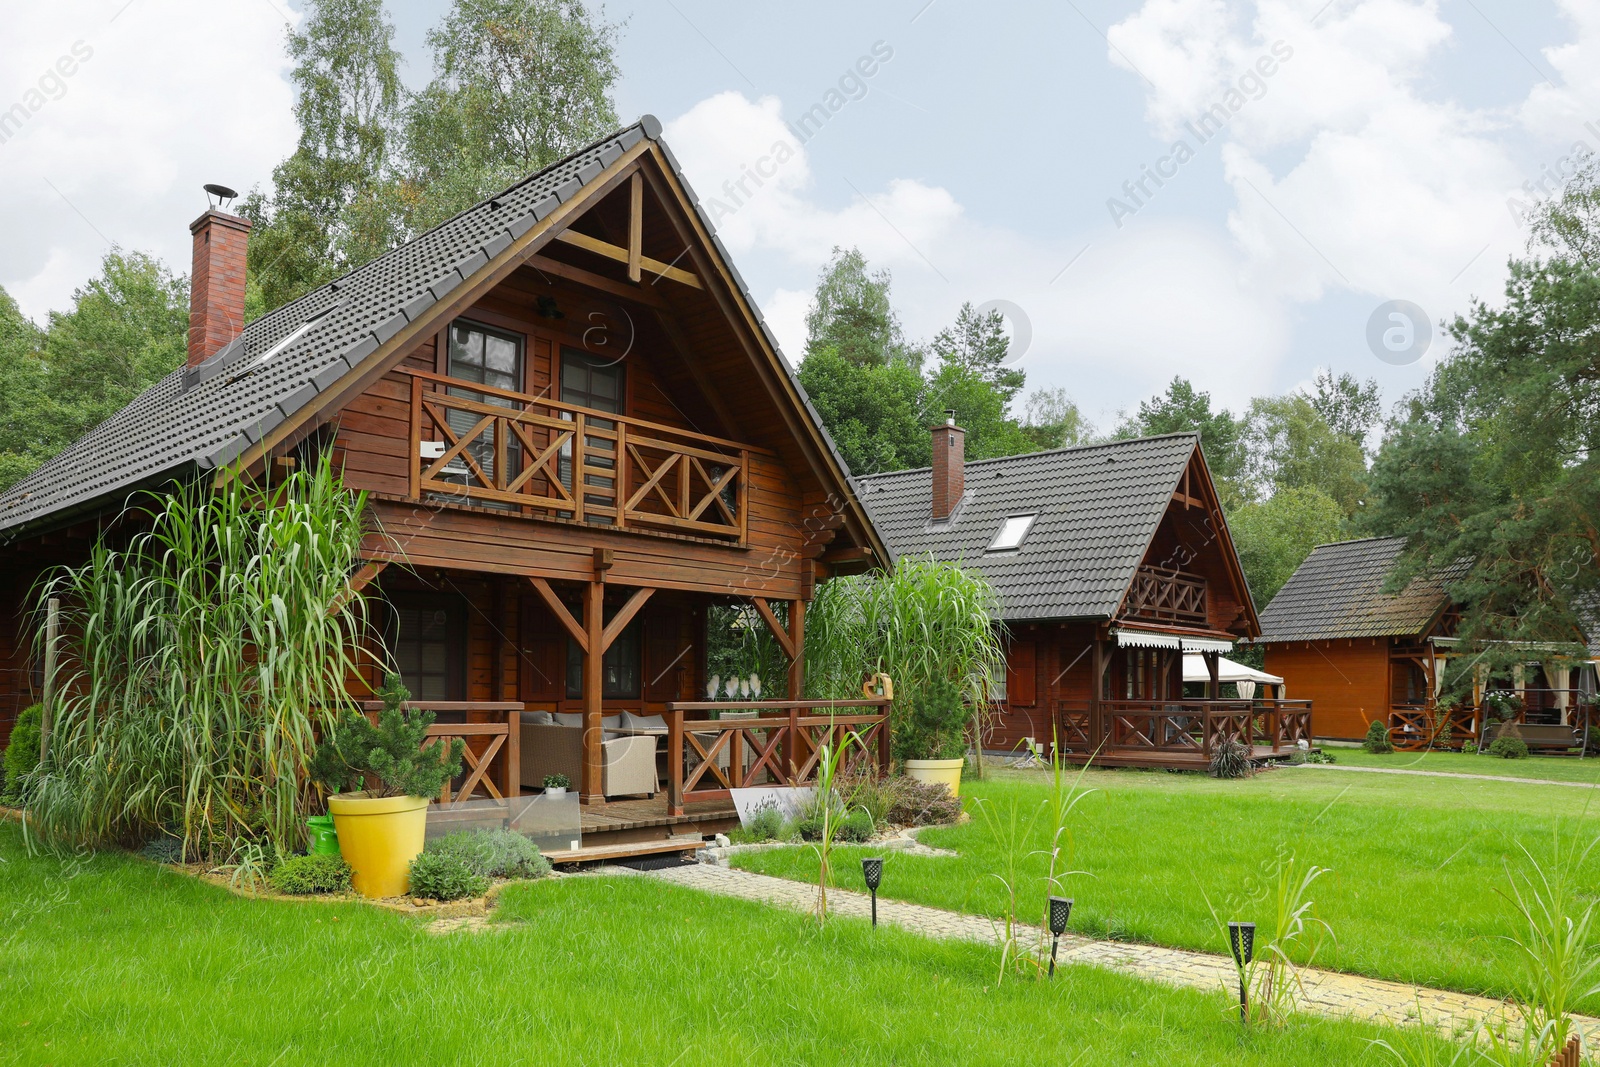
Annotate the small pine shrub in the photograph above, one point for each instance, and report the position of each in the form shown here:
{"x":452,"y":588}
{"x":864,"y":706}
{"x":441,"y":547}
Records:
{"x":765,"y":825}
{"x":438,"y":875}
{"x":1509,"y":746}
{"x":1377,"y":739}
{"x":1231,"y":760}
{"x":302,"y":876}
{"x":393,"y":750}
{"x":494,"y":853}
{"x":22,"y":753}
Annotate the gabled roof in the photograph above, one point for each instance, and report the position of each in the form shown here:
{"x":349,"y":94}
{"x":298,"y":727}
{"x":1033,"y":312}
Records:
{"x":1098,"y":507}
{"x":209,"y":416}
{"x":1338,"y":592}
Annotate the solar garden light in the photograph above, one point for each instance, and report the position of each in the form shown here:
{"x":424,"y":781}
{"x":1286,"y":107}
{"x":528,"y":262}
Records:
{"x":1060,"y":909}
{"x":872,"y":869}
{"x":1242,"y":938}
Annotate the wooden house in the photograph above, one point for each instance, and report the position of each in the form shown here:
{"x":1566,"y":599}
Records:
{"x":1364,"y":655}
{"x":1111,"y":561}
{"x":577,"y":433}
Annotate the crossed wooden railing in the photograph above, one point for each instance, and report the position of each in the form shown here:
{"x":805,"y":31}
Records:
{"x":780,"y":746}
{"x":1182,"y":727}
{"x":485,"y":741}
{"x":506,"y":449}
{"x":1167,"y":596}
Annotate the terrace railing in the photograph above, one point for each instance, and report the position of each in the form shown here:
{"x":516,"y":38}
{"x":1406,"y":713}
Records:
{"x":780,"y":745}
{"x":497,"y":736}
{"x":1163,"y":595}
{"x":541,"y":457}
{"x":1194,"y":728}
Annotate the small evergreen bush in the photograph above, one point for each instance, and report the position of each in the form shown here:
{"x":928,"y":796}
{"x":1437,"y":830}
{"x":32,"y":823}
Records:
{"x":935,"y":725}
{"x":765,"y":825}
{"x":1231,"y":760}
{"x":163,"y":849}
{"x":495,"y":853}
{"x":438,"y":875}
{"x":1377,"y":739}
{"x":392,"y":751}
{"x":1509,"y":746}
{"x":1469,"y":748}
{"x":22,"y":753}
{"x":302,"y":876}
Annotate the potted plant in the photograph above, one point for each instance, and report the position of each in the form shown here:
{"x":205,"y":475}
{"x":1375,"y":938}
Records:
{"x":556,"y":785}
{"x":932,"y":739}
{"x":381,"y":829}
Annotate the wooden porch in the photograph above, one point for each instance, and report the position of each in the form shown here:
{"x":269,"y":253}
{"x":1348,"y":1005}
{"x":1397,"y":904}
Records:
{"x":1179,"y":733}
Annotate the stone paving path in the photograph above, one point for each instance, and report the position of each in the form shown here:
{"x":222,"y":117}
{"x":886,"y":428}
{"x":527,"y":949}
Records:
{"x":1446,"y":774}
{"x":1326,"y":992}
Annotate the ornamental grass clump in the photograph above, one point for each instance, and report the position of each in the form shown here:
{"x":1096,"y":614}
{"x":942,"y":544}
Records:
{"x":198,"y":664}
{"x":1231,"y":760}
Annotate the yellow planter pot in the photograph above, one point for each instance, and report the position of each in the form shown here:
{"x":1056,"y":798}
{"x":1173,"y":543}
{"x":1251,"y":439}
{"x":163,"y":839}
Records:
{"x":378,"y":838}
{"x":946,"y":772}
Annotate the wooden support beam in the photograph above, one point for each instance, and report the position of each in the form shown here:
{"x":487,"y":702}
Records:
{"x":635,"y":226}
{"x":593,"y":787}
{"x":574,"y":629}
{"x":621,"y":255}
{"x":362,"y":578}
{"x":797,"y":641}
{"x":778,"y":631}
{"x":643,"y":294}
{"x":623,"y":617}
{"x":603,"y":559}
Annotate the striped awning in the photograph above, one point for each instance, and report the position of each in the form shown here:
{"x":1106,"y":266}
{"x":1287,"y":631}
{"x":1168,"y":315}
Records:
{"x":1128,"y":638}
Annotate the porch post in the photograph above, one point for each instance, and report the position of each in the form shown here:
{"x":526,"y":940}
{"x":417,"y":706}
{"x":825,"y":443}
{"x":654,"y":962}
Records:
{"x":1097,"y":670}
{"x":797,"y":678}
{"x":592,"y":789}
{"x":1213,"y":686}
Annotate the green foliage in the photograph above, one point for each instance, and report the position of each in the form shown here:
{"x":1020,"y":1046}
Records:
{"x":128,"y":327}
{"x":498,"y":853}
{"x":851,"y":315}
{"x":1184,"y":409}
{"x":1274,"y":536}
{"x":1053,"y":420}
{"x":439,"y":875}
{"x":1469,"y":748}
{"x":1350,"y":407}
{"x":1377,"y":739}
{"x":873,"y":411}
{"x":853,"y":826}
{"x":1291,"y":446}
{"x":1508,"y":746}
{"x":739,"y":644}
{"x":1300,"y":757}
{"x":393,"y":750}
{"x":1231,"y":760}
{"x":978,"y":346}
{"x":935,"y":727}
{"x":307,"y":875}
{"x":22,"y":752}
{"x":557,"y":781}
{"x":198,"y":664}
{"x":1556,"y":904}
{"x":766,"y":824}
{"x":924,"y":624}
{"x":1283,"y":947}
{"x":164,"y":848}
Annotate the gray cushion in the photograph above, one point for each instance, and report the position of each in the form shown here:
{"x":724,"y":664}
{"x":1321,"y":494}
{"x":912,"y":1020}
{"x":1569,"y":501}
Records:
{"x":652,"y":723}
{"x":568,"y":719}
{"x":538,"y":718}
{"x":610,"y":722}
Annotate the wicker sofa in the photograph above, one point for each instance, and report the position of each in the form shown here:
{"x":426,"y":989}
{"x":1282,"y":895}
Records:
{"x":628,"y":764}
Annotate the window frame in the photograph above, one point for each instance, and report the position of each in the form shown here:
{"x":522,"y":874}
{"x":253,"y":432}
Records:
{"x":1030,"y":519}
{"x":456,"y":639}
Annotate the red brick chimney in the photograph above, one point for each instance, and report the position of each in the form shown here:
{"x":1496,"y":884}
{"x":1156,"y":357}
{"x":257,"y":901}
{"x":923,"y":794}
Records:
{"x":216,"y":285}
{"x":949,"y":466}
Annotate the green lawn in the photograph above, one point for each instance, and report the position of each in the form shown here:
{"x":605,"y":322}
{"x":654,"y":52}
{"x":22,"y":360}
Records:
{"x":1418,"y":863}
{"x":113,"y":960}
{"x":1554,"y":768}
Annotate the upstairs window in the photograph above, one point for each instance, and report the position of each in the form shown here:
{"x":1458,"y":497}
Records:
{"x":1011,"y":533}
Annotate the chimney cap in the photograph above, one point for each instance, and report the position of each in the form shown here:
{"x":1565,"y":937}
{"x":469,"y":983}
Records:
{"x":949,"y":416}
{"x":221,"y":192}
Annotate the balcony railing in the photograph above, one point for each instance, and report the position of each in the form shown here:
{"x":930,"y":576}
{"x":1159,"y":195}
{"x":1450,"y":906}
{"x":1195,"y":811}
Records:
{"x":1176,"y":728}
{"x":540,"y":457}
{"x":1163,"y":595}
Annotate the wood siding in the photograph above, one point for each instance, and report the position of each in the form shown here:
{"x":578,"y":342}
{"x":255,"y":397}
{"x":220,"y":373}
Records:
{"x":1346,"y":680}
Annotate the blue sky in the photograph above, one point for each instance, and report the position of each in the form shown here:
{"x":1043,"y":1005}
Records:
{"x":1373,"y":163}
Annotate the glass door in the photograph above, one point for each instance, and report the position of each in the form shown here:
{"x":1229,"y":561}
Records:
{"x":592,"y":382}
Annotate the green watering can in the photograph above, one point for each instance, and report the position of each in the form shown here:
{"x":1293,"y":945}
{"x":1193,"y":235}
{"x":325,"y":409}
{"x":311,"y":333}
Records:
{"x":324,"y":841}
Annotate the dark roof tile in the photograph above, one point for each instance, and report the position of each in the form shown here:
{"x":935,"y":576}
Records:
{"x":1338,"y":592}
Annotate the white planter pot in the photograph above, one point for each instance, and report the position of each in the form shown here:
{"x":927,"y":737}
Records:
{"x":946,"y":772}
{"x":555,"y":790}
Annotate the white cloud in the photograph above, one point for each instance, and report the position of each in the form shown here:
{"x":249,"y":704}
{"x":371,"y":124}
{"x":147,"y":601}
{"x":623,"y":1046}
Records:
{"x":172,"y":94}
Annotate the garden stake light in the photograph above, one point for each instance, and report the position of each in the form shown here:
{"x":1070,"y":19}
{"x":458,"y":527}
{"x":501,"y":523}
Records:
{"x":1060,"y":910}
{"x":872,"y":869}
{"x":1242,"y":937}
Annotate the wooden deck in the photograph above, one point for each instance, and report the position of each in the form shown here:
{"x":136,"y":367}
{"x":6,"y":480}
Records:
{"x":625,"y":828}
{"x":1164,"y":760}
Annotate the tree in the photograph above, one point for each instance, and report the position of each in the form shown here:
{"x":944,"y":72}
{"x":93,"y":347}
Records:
{"x":326,"y":214}
{"x":979,"y":409}
{"x":852,"y":315}
{"x":1053,"y":420}
{"x":872,"y":411}
{"x":1274,"y":536}
{"x":1497,"y":459}
{"x":23,"y":421}
{"x":978,"y":345}
{"x":1348,"y":406}
{"x":517,"y":85}
{"x":1183,"y":408}
{"x":1290,"y":445}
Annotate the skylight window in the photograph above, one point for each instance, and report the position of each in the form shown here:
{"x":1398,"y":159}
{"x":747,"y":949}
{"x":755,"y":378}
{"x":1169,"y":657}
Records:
{"x":1012,"y":531}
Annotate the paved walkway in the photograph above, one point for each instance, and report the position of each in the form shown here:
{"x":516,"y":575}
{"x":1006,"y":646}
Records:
{"x":1326,"y":992}
{"x":1445,"y":774}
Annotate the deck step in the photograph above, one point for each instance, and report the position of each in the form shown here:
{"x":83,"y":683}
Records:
{"x":601,"y":853}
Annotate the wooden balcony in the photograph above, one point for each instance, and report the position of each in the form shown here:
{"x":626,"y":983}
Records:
{"x":545,"y":459}
{"x":1172,"y":596}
